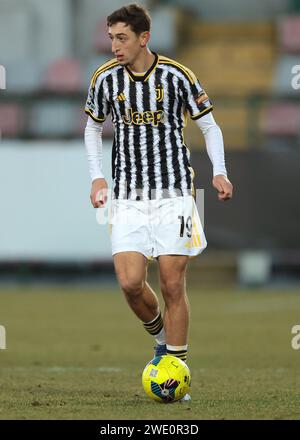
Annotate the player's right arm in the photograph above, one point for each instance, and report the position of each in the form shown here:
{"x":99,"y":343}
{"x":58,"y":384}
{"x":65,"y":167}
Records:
{"x":97,"y":107}
{"x":93,"y":145}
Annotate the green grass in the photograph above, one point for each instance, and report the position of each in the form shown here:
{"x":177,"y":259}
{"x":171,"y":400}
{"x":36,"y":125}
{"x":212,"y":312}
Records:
{"x":79,"y":354}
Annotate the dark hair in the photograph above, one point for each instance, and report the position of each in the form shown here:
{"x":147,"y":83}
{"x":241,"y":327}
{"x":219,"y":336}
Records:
{"x":135,"y":16}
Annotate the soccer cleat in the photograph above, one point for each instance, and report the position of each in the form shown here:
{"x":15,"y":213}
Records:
{"x":160,"y":349}
{"x":186,"y":398}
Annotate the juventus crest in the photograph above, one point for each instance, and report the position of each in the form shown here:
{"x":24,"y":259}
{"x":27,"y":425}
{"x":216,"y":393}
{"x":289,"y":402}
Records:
{"x":159,"y":93}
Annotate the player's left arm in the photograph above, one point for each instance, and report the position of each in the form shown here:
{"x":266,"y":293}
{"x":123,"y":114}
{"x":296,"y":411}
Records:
{"x":200,"y":107}
{"x":215,"y":149}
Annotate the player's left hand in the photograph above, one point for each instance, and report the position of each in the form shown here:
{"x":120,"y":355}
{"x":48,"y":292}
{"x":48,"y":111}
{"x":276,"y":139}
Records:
{"x":224,"y":187}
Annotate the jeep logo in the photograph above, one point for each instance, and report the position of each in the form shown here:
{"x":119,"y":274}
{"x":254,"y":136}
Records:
{"x":148,"y":117}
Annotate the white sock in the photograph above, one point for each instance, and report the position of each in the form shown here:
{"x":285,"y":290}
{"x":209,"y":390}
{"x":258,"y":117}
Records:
{"x":179,"y":351}
{"x":177,"y":347}
{"x":160,"y":338}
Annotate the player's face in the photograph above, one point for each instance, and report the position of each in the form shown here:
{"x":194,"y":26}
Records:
{"x":126,"y":44}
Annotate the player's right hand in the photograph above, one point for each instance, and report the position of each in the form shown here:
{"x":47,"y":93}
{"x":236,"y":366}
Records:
{"x":98,"y":194}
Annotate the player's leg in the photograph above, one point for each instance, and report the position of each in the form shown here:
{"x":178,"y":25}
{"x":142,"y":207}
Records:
{"x":131,"y":270}
{"x":178,"y":235}
{"x":172,"y":270}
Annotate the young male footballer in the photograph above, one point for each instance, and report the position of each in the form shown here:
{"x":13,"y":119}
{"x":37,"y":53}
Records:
{"x":153,"y":211}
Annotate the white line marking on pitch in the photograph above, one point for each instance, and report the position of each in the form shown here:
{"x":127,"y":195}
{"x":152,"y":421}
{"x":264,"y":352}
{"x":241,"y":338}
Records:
{"x":64,"y":369}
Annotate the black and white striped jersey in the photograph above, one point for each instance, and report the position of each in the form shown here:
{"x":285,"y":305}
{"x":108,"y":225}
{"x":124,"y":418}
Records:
{"x":149,"y":156}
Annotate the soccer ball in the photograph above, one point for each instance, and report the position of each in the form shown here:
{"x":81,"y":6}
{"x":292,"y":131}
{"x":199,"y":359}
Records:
{"x":166,"y":379}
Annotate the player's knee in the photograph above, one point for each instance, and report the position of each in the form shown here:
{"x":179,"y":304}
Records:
{"x":132,"y":288}
{"x":172,"y":289}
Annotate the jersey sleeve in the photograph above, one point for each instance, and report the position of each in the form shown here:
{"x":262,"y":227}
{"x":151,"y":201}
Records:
{"x":196,"y":100}
{"x":97,"y":106}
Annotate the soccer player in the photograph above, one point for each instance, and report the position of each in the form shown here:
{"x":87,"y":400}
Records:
{"x":153,"y":211}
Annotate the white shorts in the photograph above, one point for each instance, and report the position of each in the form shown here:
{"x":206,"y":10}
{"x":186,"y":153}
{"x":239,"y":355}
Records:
{"x":157,"y":227}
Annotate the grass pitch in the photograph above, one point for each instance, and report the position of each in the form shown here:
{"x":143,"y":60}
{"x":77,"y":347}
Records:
{"x":78,"y":353}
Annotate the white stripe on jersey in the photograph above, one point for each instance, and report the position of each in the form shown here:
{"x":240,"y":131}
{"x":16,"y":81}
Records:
{"x":123,"y":182}
{"x":179,"y":142}
{"x":143,"y":136}
{"x":156,"y":152}
{"x":168,"y":144}
{"x":132,"y":187}
{"x":119,"y":115}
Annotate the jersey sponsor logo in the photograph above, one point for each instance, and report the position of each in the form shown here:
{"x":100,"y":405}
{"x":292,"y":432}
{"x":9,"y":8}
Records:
{"x":159,"y":93}
{"x":90,"y":105}
{"x":148,"y":117}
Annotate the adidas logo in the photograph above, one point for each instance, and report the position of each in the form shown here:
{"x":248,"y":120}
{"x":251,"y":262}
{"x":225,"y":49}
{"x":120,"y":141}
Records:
{"x":121,"y":97}
{"x":193,"y":242}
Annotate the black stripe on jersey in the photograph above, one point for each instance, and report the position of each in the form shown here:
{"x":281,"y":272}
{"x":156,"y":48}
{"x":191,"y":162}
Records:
{"x":115,"y":143}
{"x":136,"y":139}
{"x":110,"y":95}
{"x":162,"y":138}
{"x":149,"y":138}
{"x":181,"y":119}
{"x":100,"y":98}
{"x":187,"y":166}
{"x":180,"y":109}
{"x":121,"y":85}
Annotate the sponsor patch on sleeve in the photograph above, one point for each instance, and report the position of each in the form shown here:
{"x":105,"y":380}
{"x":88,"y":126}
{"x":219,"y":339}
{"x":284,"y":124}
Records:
{"x":202,"y":99}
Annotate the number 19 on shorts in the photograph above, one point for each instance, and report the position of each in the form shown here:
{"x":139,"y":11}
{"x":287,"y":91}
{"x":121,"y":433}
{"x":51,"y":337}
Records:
{"x":185,"y":226}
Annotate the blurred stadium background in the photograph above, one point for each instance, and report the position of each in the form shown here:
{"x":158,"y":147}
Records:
{"x":247,"y":57}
